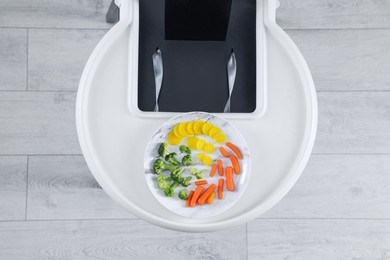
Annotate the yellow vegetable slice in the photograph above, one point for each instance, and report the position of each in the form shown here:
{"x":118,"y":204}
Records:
{"x":173,"y":139}
{"x":207,"y":160}
{"x":214,"y":131}
{"x":209,"y":148}
{"x":206,"y":128}
{"x":192,"y":141}
{"x":200,"y":144}
{"x":182,"y":129}
{"x":201,"y":156}
{"x":220,"y":138}
{"x":198,"y":127}
{"x":176,"y":130}
{"x":190,"y":128}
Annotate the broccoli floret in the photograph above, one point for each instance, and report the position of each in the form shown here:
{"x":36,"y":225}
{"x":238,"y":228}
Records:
{"x":185,"y":182}
{"x":187,"y":160}
{"x":185,"y":149}
{"x":163,"y":149}
{"x":170,"y":191}
{"x":176,"y":174}
{"x":198,"y":174}
{"x":159,"y":166}
{"x":183,"y":194}
{"x":171,"y":158}
{"x":163,"y":182}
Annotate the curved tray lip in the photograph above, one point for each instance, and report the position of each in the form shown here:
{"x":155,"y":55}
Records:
{"x":107,"y":185}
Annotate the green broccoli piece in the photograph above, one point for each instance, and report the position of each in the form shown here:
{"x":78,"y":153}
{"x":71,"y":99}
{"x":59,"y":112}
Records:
{"x":185,"y":149}
{"x":176,"y":174}
{"x":171,"y":158}
{"x":187,"y":160}
{"x":159,"y":166}
{"x":198,"y":174}
{"x":170,"y":191}
{"x":163,"y":149}
{"x":183,"y":194}
{"x":163,"y":182}
{"x":185,"y":182}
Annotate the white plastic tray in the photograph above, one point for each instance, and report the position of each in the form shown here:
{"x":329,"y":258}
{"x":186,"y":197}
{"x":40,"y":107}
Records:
{"x":114,"y":133}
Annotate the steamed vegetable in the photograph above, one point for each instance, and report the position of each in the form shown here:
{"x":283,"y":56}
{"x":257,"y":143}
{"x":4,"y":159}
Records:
{"x":171,"y":158}
{"x":187,"y":160}
{"x":159,"y":166}
{"x":163,"y":182}
{"x":185,"y":182}
{"x":189,"y":198}
{"x":220,"y":188}
{"x":163,"y":150}
{"x":235,"y":163}
{"x":198,"y":174}
{"x":234,"y":149}
{"x":196,"y":195}
{"x":220,"y":168}
{"x":229,"y":178}
{"x":185,"y":149}
{"x":176,"y":174}
{"x":183,"y":194}
{"x":170,"y":191}
{"x":201,"y":182}
{"x":202,"y":199}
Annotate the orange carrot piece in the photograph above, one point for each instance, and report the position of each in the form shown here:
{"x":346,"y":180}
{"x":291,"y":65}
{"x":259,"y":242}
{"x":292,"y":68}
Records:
{"x":189,"y":198}
{"x":196,"y":195}
{"x":213,"y":169}
{"x":236,"y":164}
{"x":223,"y":152}
{"x":210,"y":199}
{"x":229,"y":178}
{"x":234,"y":149}
{"x":201,"y":182}
{"x":202,"y":199}
{"x":220,"y":188}
{"x":220,"y":168}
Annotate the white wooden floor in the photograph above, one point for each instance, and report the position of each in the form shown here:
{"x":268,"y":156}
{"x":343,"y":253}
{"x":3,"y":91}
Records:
{"x":51,"y":207}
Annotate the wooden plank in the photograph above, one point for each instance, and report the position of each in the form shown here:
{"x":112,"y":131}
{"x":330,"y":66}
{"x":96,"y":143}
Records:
{"x":13,"y":59}
{"x":13,"y":172}
{"x":346,"y":59}
{"x":318,"y":239}
{"x":38,"y":123}
{"x":115,"y":239}
{"x":325,"y":14}
{"x":353,"y":122}
{"x":62,"y":187}
{"x":57,"y":57}
{"x":339,"y":186}
{"x":54,"y":13}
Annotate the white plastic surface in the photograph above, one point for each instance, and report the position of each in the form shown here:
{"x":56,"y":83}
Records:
{"x":114,"y":135}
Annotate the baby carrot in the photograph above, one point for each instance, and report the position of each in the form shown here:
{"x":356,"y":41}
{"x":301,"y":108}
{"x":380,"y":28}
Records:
{"x":229,"y":178}
{"x":196,"y":195}
{"x":202,"y":199}
{"x":189,"y":198}
{"x":220,"y":188}
{"x":220,"y":168}
{"x":210,"y":198}
{"x":201,"y":182}
{"x":223,"y":152}
{"x":235,"y":149}
{"x":213,"y":169}
{"x":236,"y":164}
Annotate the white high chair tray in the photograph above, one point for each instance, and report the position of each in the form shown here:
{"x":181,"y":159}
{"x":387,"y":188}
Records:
{"x":114,"y":133}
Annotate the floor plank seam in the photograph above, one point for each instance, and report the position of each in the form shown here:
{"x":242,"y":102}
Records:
{"x":27,"y":166}
{"x":27,"y":47}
